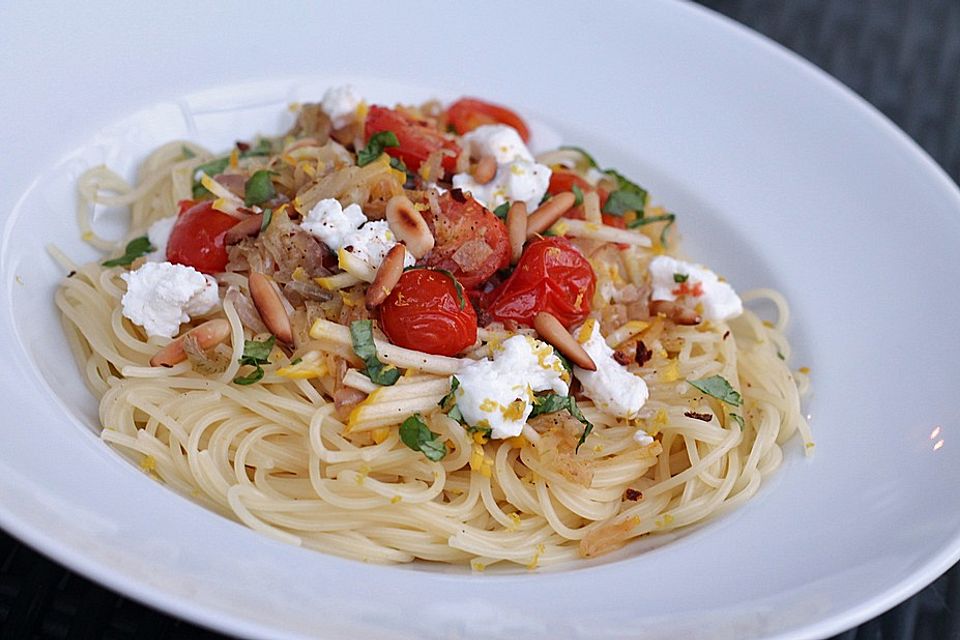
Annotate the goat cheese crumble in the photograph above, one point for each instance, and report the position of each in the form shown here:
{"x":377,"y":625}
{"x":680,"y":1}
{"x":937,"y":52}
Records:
{"x":341,"y":105}
{"x":160,"y":296}
{"x":497,"y":393}
{"x":612,"y":387}
{"x":673,"y":279}
{"x":348,"y":229}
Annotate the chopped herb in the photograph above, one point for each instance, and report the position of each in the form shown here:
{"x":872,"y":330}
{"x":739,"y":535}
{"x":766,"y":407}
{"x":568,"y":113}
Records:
{"x":267,"y":219}
{"x":621,"y":201}
{"x":213,"y":167}
{"x":501,"y":211}
{"x":552,"y":402}
{"x":681,"y":277}
{"x":186,"y":153}
{"x":643,"y":354}
{"x":632,"y":494}
{"x":255,"y":354}
{"x":546,"y":196}
{"x":706,"y":417}
{"x":455,"y":414}
{"x":135,"y":248}
{"x":586,"y":156}
{"x":259,"y":188}
{"x":738,"y":418}
{"x":719,"y":388}
{"x":375,"y":147}
{"x":263,"y":148}
{"x":577,"y":195}
{"x":361,"y":334}
{"x":625,"y":184}
{"x":780,"y":354}
{"x":418,"y":437}
{"x":446,"y":403}
{"x":669,"y":217}
{"x":296,"y":361}
{"x":398,"y":164}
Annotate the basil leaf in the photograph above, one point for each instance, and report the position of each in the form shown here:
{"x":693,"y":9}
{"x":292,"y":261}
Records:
{"x":415,"y":434}
{"x":399,"y":165}
{"x":446,"y":403}
{"x":738,"y":418}
{"x":552,"y":402}
{"x":621,"y":201}
{"x":457,"y":286}
{"x":375,"y":147}
{"x":135,"y":248}
{"x":681,"y":277}
{"x":455,"y":414}
{"x":361,"y":334}
{"x":263,"y":148}
{"x":267,"y":219}
{"x":200,"y":192}
{"x":586,"y":156}
{"x":625,"y":184}
{"x":719,"y":388}
{"x":213,"y":167}
{"x":255,"y":353}
{"x":259,"y":188}
{"x":669,"y":217}
{"x":501,"y":211}
{"x":577,"y":195}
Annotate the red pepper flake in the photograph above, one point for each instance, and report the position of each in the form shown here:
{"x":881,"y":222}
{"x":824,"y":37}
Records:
{"x":706,"y":417}
{"x":726,"y":334}
{"x":643,"y":354}
{"x":457,"y":195}
{"x":621,"y":357}
{"x":242,"y":146}
{"x":686,"y":290}
{"x":632,"y":494}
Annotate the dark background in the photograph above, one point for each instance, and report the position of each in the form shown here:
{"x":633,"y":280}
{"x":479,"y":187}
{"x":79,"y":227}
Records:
{"x":901,"y":56}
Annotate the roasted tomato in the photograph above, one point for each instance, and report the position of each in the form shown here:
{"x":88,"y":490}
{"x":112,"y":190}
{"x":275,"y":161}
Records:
{"x":466,"y":114}
{"x":552,"y":276}
{"x":428,"y":311}
{"x":197,"y":237}
{"x":471,"y":242}
{"x":417,"y":140}
{"x":562,"y":180}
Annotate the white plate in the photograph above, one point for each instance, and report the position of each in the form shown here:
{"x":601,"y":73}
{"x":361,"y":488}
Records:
{"x":780,"y":177}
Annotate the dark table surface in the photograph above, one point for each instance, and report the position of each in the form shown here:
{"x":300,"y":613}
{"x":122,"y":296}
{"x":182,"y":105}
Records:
{"x":901,"y":56}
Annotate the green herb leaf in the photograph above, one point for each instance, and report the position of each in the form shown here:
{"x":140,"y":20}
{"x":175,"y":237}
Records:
{"x":455,"y":414}
{"x":361,"y":334}
{"x":398,"y":164}
{"x":669,"y":217}
{"x":586,"y":156}
{"x":621,"y":201}
{"x":501,"y":211}
{"x":577,"y":195}
{"x":263,"y":148}
{"x":415,"y":434}
{"x":296,"y":361}
{"x":780,"y":354}
{"x":213,"y":167}
{"x":186,"y":153}
{"x":259,"y":188}
{"x":446,"y":403}
{"x":625,"y":184}
{"x":457,"y":286}
{"x":267,"y":219}
{"x":681,"y":277}
{"x":375,"y":147}
{"x":255,"y":354}
{"x":738,"y":418}
{"x":719,"y":388}
{"x":552,"y":402}
{"x":546,"y":196}
{"x":135,"y":248}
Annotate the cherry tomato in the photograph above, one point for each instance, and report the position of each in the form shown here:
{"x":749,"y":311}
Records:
{"x":197,"y":237}
{"x":562,"y":180}
{"x":417,"y":140}
{"x":466,"y":114}
{"x":426,"y":311}
{"x":471,"y":242}
{"x":552,"y":276}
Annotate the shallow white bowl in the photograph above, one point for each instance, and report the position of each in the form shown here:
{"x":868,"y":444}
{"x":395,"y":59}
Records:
{"x":779,"y":175}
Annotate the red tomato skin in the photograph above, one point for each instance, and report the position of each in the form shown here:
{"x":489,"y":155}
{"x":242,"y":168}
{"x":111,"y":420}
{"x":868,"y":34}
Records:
{"x":423,"y":312}
{"x":466,"y":114}
{"x":562,"y":180}
{"x":417,"y":140}
{"x":462,"y":219}
{"x":197,"y":237}
{"x":552,"y":276}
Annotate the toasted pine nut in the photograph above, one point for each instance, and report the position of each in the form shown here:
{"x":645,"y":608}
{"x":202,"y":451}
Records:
{"x":549,"y":212}
{"x":387,"y":276}
{"x":553,"y":332}
{"x":409,"y":226}
{"x":243,"y":229}
{"x":485,"y":170}
{"x":208,"y":334}
{"x":266,"y":298}
{"x":517,"y":229}
{"x":675,"y":312}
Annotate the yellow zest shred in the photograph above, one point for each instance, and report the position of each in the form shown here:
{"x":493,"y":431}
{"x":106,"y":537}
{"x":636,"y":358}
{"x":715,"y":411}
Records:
{"x":804,"y":370}
{"x":517,"y":442}
{"x":148,"y":464}
{"x":381,"y":434}
{"x":234,"y":158}
{"x":560,"y":228}
{"x":671,"y":372}
{"x":514,"y":521}
{"x":535,"y":562}
{"x":477,"y":566}
{"x":395,"y":499}
{"x":480,"y":462}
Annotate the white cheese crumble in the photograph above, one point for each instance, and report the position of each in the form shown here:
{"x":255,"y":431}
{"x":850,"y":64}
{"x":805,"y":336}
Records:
{"x":642,"y":438}
{"x":159,"y":236}
{"x":497,"y":394}
{"x":717,"y":299}
{"x":341,"y":105}
{"x":160,"y":296}
{"x":611,"y":387}
{"x":518,"y":177}
{"x":340,"y":228}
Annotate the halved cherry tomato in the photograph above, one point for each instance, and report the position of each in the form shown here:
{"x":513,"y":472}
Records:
{"x":562,"y":180}
{"x":197,"y":237}
{"x":417,"y":140}
{"x":425,"y":311}
{"x":466,"y":114}
{"x":552,"y":276}
{"x":471,"y":242}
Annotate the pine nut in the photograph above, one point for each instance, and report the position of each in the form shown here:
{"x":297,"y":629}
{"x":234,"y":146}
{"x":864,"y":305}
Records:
{"x":409,"y":226}
{"x":243,"y":229}
{"x":266,"y":298}
{"x":678,"y":313}
{"x":517,"y":229}
{"x":553,"y":332}
{"x":549,"y":212}
{"x":208,"y":334}
{"x":485,"y":170}
{"x":387,"y":277}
